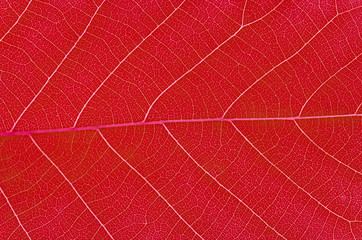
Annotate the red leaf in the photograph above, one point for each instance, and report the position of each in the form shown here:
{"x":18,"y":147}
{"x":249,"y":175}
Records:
{"x":180,"y":119}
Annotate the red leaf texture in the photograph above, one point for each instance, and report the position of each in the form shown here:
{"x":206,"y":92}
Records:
{"x":180,"y":119}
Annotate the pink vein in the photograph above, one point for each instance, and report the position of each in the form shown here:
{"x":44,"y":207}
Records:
{"x":243,"y":14}
{"x":302,"y":189}
{"x":139,"y":174}
{"x":358,"y":108}
{"x":286,"y":60}
{"x":315,"y":144}
{"x":75,"y":190}
{"x":16,"y":22}
{"x":142,"y":123}
{"x":310,"y":97}
{"x":222,"y":186}
{"x":16,"y":216}
{"x":56,"y":69}
{"x":122,"y":61}
{"x":202,"y":60}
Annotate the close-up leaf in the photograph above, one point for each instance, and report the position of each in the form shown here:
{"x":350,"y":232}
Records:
{"x":180,"y":119}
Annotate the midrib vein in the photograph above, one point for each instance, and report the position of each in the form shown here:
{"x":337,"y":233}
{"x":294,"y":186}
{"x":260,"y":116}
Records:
{"x":160,"y":122}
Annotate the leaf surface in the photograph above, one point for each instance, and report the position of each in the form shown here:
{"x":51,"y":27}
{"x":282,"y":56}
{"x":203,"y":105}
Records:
{"x":180,"y":119}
